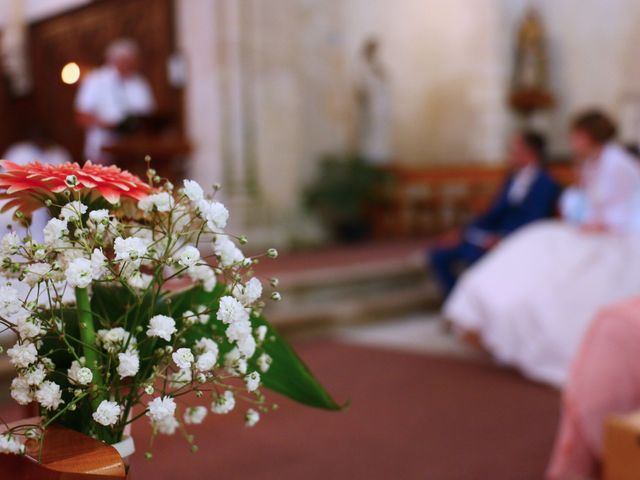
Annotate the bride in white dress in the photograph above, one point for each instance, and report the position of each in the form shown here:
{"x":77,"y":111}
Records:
{"x":531,"y":299}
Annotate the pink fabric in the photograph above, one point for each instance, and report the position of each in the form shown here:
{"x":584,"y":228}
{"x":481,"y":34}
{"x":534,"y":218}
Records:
{"x":604,"y":380}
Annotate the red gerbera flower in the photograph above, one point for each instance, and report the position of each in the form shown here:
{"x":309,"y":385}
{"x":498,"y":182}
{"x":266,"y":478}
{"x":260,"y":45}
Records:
{"x":26,"y":186}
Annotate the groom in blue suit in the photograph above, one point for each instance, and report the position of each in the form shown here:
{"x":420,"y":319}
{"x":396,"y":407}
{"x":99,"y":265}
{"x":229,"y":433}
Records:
{"x":528,"y":194}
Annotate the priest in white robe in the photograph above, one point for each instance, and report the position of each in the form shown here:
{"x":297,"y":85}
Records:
{"x":110,"y":95}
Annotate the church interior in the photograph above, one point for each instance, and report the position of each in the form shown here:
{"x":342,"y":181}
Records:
{"x":383,"y":147}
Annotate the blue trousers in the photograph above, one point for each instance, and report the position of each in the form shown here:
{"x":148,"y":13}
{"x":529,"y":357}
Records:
{"x":447,"y":262}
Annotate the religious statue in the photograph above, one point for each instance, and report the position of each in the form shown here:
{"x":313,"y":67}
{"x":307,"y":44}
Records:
{"x":529,"y":84}
{"x":373,"y":99}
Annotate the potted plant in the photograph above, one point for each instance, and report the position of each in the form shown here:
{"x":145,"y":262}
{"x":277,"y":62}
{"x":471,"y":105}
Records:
{"x":105,"y":335}
{"x":346,"y":191}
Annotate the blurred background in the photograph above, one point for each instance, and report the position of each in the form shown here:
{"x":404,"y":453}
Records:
{"x":348,"y":134}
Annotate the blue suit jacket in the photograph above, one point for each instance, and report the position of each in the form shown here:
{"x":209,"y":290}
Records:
{"x":504,"y":217}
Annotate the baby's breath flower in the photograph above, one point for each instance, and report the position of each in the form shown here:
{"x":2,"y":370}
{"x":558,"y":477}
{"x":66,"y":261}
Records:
{"x":183,"y":358}
{"x":226,"y":251}
{"x":206,"y":345}
{"x":129,"y":249}
{"x":248,"y":293}
{"x":21,"y":355}
{"x":214,"y":213}
{"x":189,"y":317}
{"x":251,"y":418}
{"x":160,"y":202}
{"x":188,"y":256}
{"x":203,"y":314}
{"x":194,"y":415}
{"x":206,"y":361}
{"x":128,"y":364}
{"x":21,"y":391}
{"x":181,"y":378}
{"x":107,"y":413}
{"x":252,"y":381}
{"x":114,"y":339}
{"x":73,"y":211}
{"x":77,"y":373}
{"x":99,"y":264}
{"x":138,"y":280}
{"x":204,"y":274}
{"x":28,"y":327}
{"x":193,"y":190}
{"x":264,"y":362}
{"x":161,"y":326}
{"x":10,"y":444}
{"x":161,"y":408}
{"x":10,"y":244}
{"x":224,"y":403}
{"x":235,"y":362}
{"x":79,"y":273}
{"x":37,"y":272}
{"x":49,"y":395}
{"x":166,"y":426}
{"x":231,"y":311}
{"x":71,"y":180}
{"x":261,"y":333}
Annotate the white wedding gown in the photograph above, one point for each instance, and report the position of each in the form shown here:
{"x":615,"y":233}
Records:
{"x":532,"y":298}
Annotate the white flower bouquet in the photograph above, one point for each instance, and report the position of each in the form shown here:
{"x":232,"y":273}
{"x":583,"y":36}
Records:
{"x":108,"y":333}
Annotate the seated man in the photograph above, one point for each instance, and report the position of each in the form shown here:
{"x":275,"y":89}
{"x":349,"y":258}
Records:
{"x":529,"y":194}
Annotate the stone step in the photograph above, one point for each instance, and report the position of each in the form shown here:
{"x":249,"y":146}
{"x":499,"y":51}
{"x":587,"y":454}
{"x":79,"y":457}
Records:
{"x":353,"y":293}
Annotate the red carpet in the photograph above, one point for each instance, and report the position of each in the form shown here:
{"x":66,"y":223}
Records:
{"x":411,"y":417}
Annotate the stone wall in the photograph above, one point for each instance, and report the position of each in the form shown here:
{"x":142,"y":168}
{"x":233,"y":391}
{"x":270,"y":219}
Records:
{"x":271,"y":85}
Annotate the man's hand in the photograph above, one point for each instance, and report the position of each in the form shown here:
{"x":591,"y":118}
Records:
{"x":594,"y":228}
{"x":450,"y":238}
{"x":491,"y":241}
{"x":88,"y":120}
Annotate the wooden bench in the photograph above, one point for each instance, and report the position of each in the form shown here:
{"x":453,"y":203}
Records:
{"x":428,"y":201}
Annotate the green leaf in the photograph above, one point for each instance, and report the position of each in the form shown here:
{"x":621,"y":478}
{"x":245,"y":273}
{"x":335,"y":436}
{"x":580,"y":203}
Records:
{"x":288,"y":374}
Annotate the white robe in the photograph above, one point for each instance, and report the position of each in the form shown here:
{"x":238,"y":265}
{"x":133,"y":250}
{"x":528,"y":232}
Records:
{"x":374,"y":122}
{"x":532,"y":298}
{"x":111,"y":99}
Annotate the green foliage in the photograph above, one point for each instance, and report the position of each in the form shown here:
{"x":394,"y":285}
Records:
{"x":288,"y":374}
{"x":345,"y":190}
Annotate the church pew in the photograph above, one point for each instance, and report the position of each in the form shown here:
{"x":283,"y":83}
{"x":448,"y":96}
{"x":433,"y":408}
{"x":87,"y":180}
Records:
{"x":427,"y":201}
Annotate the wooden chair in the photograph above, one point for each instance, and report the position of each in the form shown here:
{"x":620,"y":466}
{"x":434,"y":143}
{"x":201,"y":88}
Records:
{"x":65,"y":455}
{"x":621,"y":455}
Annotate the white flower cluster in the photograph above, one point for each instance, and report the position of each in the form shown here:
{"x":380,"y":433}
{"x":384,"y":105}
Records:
{"x":10,"y":444}
{"x":87,"y":247}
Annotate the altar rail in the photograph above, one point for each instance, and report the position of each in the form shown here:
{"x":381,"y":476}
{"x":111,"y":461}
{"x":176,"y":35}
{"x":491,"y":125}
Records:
{"x":428,"y":201}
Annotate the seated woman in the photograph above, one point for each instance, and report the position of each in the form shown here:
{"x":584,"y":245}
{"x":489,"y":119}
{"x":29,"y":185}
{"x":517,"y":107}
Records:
{"x":528,"y":194}
{"x":604,"y":380}
{"x":530,"y":300}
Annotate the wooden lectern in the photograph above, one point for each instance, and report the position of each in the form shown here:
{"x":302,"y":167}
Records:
{"x":167,"y":153}
{"x":65,"y":455}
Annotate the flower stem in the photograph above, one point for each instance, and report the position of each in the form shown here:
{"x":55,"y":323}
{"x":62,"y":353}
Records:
{"x":88,"y":336}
